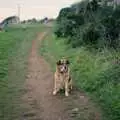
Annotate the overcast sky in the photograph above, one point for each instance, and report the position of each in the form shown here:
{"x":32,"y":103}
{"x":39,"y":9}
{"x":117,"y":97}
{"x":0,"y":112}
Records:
{"x":33,"y":8}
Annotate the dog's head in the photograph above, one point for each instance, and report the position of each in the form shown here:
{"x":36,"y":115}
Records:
{"x":62,"y":65}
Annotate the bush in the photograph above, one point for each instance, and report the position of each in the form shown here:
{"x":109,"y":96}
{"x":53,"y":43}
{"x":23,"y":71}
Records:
{"x":108,"y":92}
{"x":100,"y":78}
{"x":112,"y":28}
{"x":90,"y":35}
{"x":98,"y":26}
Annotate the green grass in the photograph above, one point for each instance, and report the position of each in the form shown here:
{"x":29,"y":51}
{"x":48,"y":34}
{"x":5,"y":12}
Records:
{"x":94,"y":72}
{"x":15,"y":45}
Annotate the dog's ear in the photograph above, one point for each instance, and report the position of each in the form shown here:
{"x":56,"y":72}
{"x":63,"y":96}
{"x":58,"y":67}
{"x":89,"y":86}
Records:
{"x":67,"y":62}
{"x":58,"y":62}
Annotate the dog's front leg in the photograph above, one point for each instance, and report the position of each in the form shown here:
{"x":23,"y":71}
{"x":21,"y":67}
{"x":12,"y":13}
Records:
{"x":66,"y":89}
{"x":56,"y":89}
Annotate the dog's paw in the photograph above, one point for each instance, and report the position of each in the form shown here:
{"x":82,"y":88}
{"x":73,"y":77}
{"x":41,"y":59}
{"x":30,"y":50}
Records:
{"x":66,"y":94}
{"x":54,"y":92}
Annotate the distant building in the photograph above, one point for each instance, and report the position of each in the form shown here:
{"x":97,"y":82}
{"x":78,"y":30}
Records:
{"x":9,"y":20}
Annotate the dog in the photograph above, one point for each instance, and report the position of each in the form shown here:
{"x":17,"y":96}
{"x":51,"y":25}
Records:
{"x":62,"y":78}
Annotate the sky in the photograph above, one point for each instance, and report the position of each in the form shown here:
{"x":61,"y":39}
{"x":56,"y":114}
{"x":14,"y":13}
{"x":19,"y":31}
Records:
{"x":33,"y":8}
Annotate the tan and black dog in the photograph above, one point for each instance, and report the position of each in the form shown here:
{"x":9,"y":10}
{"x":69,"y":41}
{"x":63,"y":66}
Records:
{"x":62,"y":78}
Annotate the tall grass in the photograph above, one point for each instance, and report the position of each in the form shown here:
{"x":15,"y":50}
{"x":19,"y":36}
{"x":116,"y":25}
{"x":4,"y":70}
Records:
{"x":97,"y":73}
{"x":15,"y":44}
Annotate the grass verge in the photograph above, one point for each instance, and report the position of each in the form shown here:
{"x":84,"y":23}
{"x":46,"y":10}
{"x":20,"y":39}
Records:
{"x":15,"y":45}
{"x":97,"y":73}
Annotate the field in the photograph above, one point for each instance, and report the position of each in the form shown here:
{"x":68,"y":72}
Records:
{"x":97,"y":73}
{"x":22,"y":74}
{"x":15,"y":44}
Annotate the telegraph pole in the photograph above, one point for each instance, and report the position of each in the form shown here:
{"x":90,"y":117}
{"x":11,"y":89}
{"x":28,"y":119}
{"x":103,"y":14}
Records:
{"x":19,"y":8}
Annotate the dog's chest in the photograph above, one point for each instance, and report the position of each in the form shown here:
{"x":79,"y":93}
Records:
{"x":62,"y":78}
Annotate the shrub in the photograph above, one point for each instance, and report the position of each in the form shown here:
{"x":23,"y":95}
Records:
{"x":90,"y":24}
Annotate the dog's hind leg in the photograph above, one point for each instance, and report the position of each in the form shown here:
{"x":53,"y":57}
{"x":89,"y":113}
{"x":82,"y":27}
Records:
{"x":70,"y":84}
{"x":71,"y":87}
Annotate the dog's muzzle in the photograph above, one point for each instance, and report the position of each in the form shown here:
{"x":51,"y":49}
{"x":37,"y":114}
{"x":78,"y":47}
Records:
{"x":63,"y":69}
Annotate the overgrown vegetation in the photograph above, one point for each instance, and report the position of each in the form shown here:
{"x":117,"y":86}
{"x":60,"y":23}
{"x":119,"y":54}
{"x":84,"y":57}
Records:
{"x":90,"y":23}
{"x":91,"y":30}
{"x":97,"y":73}
{"x":15,"y":44}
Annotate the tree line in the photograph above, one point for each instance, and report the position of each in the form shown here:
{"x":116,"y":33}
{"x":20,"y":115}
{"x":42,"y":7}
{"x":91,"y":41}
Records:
{"x":93,"y":23}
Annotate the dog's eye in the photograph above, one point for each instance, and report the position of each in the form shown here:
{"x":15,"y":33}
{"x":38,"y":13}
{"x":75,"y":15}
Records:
{"x":65,"y":67}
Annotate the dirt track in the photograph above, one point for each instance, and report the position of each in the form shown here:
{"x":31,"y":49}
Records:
{"x":39,"y":102}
